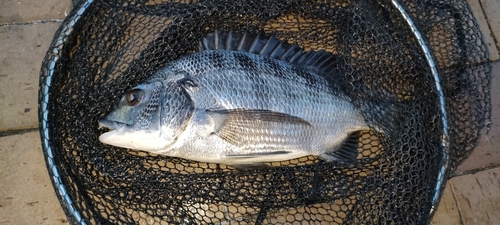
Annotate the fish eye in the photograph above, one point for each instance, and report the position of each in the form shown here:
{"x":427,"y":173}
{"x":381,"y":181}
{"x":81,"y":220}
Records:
{"x":133,"y":97}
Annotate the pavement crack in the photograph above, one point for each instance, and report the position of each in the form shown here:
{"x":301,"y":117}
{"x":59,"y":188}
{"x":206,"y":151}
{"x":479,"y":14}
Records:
{"x":31,"y":22}
{"x":497,"y":44}
{"x":32,"y":203}
{"x":456,"y":204}
{"x":474,"y":171}
{"x":16,"y":131}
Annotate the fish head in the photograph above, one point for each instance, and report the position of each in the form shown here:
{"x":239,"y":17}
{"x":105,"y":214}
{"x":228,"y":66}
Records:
{"x":148,"y":117}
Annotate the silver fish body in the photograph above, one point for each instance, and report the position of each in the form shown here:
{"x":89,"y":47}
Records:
{"x":239,"y":107}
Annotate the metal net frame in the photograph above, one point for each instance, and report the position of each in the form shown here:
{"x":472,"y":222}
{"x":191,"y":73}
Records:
{"x":425,"y":59}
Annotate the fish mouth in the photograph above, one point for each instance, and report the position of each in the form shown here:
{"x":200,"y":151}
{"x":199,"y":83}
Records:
{"x":113,"y":125}
{"x":123,"y":136}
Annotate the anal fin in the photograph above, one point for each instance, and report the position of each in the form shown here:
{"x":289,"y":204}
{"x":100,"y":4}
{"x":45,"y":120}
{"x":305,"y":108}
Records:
{"x":347,"y":152}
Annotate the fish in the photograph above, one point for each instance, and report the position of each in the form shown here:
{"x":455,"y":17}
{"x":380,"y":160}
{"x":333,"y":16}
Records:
{"x":240,"y":100}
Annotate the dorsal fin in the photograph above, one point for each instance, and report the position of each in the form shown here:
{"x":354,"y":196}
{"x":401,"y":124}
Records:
{"x":260,"y":43}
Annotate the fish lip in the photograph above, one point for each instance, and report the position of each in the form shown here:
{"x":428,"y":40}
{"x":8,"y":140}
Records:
{"x":111,"y":124}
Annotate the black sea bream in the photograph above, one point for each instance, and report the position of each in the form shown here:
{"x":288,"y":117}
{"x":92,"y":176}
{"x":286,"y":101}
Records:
{"x":240,"y":100}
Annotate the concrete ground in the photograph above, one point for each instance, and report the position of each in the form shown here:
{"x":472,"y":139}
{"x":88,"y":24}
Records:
{"x":27,"y":196}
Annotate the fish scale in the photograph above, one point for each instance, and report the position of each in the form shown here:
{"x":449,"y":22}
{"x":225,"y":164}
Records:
{"x":266,"y":101}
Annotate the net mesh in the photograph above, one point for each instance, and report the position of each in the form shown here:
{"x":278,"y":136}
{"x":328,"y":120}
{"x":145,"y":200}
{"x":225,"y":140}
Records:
{"x":106,"y":47}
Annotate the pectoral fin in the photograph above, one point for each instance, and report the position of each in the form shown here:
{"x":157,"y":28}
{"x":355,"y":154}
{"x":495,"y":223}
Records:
{"x":251,"y":127}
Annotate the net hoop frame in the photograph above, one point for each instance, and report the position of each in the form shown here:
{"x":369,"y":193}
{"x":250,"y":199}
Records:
{"x":51,"y":59}
{"x":445,"y":145}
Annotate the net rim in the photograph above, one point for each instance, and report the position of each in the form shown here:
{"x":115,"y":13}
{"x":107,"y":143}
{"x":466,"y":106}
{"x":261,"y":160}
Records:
{"x":51,"y":59}
{"x":445,"y":145}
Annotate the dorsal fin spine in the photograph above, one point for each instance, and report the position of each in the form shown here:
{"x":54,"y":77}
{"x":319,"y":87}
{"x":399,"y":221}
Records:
{"x":289,"y":50}
{"x":241,"y":42}
{"x":319,"y":58}
{"x":321,"y":64}
{"x":266,"y":46}
{"x":254,"y":43}
{"x":229,"y":39}
{"x":296,"y":56}
{"x":275,"y":50}
{"x":216,"y":40}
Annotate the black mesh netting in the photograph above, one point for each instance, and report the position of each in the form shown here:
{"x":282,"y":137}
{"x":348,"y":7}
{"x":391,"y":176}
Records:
{"x":106,"y":47}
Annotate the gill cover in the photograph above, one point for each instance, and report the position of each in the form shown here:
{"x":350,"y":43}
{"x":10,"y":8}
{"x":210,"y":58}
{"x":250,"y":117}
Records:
{"x":177,"y":109}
